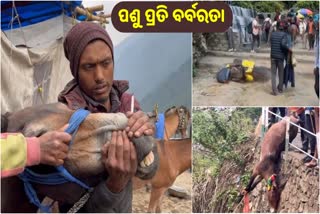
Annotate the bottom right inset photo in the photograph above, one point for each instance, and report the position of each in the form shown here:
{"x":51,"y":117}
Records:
{"x":255,"y":159}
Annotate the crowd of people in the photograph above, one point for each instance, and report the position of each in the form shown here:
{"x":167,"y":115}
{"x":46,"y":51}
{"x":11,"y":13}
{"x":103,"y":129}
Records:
{"x":277,"y":34}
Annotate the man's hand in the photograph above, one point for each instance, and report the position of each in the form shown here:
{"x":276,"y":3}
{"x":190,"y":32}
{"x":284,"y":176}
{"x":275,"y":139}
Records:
{"x":139,"y":124}
{"x":54,"y":147}
{"x":120,"y":160}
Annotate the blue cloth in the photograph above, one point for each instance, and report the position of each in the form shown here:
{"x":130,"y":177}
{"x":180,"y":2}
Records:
{"x":289,"y":75}
{"x":160,"y":127}
{"x":317,"y":45}
{"x":32,"y":12}
{"x":60,"y":177}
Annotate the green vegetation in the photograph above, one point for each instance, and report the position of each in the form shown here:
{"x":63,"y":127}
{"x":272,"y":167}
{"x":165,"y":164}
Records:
{"x":261,"y":6}
{"x":273,"y":6}
{"x":219,"y":131}
{"x":312,"y":5}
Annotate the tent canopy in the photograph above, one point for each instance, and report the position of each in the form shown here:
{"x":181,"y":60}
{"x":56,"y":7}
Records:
{"x":32,"y":12}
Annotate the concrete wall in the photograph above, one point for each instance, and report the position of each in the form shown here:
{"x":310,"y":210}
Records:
{"x":219,"y":41}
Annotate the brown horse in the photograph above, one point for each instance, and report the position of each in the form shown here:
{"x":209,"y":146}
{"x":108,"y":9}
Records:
{"x":267,"y":168}
{"x":84,"y":157}
{"x":176,"y":120}
{"x":174,"y":158}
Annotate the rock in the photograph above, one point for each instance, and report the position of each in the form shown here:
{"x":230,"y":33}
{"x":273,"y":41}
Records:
{"x":300,"y":210}
{"x":178,"y":192}
{"x":304,"y":198}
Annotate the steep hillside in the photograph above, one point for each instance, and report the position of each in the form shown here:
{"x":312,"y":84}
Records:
{"x":220,"y":193}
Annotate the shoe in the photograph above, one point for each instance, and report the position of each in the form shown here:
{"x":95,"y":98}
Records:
{"x":306,"y":159}
{"x":311,"y":164}
{"x":252,"y":51}
{"x":230,"y":50}
{"x":274,"y":93}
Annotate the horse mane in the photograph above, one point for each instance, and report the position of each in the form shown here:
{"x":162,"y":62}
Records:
{"x":169,"y":111}
{"x":172,"y":109}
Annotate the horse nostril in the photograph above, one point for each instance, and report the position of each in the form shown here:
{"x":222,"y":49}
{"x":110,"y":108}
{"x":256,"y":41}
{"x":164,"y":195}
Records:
{"x":148,"y":160}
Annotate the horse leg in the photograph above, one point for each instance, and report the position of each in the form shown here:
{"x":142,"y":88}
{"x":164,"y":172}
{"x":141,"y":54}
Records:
{"x":155,"y":199}
{"x":254,"y":180}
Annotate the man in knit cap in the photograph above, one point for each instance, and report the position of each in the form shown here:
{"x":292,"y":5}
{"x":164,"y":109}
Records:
{"x":89,"y":49}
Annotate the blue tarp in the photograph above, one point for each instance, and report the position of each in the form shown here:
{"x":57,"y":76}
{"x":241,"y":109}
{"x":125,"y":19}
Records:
{"x":32,"y":12}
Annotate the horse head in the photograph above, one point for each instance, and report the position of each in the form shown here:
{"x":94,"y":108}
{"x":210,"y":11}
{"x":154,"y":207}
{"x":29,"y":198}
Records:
{"x":84,"y":156}
{"x":274,"y":191}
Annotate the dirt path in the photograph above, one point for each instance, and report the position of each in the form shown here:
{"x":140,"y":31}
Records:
{"x":208,"y":92}
{"x":169,"y":204}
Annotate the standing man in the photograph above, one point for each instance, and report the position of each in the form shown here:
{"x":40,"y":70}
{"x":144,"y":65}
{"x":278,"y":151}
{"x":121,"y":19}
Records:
{"x":317,"y":59}
{"x":230,"y":39}
{"x":279,"y":46}
{"x":89,"y":49}
{"x":255,"y":33}
{"x":311,"y":32}
{"x":267,"y":25}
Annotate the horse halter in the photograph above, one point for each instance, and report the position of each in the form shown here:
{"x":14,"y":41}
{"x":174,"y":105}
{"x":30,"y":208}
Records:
{"x":270,"y":181}
{"x":182,"y":114}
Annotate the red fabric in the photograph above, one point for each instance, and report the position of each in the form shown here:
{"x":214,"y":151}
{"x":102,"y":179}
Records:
{"x":310,"y":27}
{"x":246,"y":208}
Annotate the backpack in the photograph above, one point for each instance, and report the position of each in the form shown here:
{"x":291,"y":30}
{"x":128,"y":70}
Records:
{"x":249,"y":28}
{"x":267,"y":25}
{"x":223,"y":75}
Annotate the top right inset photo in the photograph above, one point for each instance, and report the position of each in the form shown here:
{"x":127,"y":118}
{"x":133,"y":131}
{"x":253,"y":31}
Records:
{"x":268,"y":57}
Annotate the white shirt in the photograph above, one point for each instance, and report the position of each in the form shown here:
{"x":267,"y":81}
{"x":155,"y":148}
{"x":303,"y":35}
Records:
{"x":255,"y":31}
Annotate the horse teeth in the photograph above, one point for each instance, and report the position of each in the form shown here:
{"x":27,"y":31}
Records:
{"x":148,"y":160}
{"x":142,"y":164}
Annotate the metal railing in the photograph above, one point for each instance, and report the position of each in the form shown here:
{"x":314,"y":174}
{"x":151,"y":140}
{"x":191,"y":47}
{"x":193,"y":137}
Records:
{"x":287,"y":136}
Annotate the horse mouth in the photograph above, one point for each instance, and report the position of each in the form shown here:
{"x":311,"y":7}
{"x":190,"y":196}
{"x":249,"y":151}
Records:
{"x":148,"y":160}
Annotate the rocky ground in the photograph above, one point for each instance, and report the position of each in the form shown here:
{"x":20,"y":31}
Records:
{"x":222,"y":193}
{"x":169,"y":204}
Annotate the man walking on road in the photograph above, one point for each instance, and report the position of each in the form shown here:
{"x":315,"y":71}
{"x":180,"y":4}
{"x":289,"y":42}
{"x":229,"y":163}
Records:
{"x":279,"y":47}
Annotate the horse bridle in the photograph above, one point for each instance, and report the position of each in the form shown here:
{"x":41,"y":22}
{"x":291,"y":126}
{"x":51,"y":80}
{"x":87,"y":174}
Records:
{"x":182,"y":114}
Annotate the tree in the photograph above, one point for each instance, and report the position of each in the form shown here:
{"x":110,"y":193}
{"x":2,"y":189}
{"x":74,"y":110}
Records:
{"x":312,"y":5}
{"x":261,"y":6}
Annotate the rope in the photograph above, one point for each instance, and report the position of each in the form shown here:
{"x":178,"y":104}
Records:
{"x":82,"y":201}
{"x":62,"y":176}
{"x":246,"y":208}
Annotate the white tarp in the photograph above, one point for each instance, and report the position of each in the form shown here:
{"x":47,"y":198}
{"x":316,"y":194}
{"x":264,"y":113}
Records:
{"x":24,"y":70}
